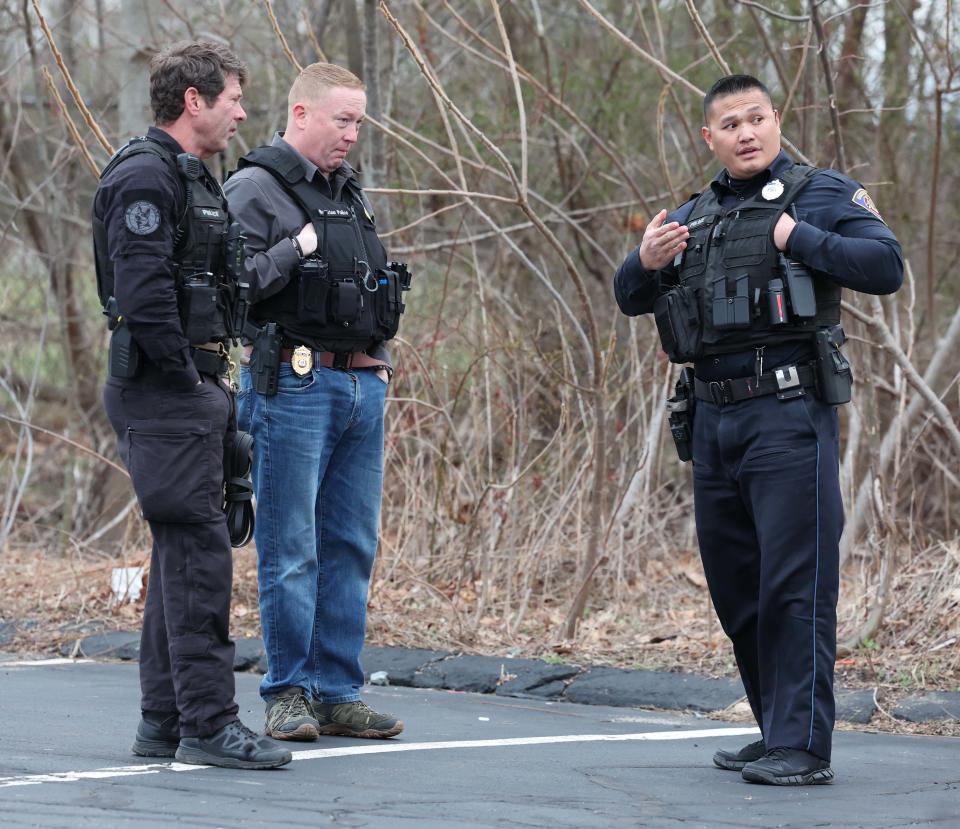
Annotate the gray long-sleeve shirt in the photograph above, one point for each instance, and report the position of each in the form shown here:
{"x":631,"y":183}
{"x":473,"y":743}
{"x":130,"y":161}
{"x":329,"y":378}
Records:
{"x":270,"y":218}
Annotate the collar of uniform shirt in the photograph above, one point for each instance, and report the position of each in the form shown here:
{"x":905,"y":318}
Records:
{"x":344,"y":171}
{"x":164,"y":138}
{"x":723,"y":183}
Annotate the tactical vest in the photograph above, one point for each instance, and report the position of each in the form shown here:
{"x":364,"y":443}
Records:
{"x":345,"y":297}
{"x":735,"y":290}
{"x":208,"y":249}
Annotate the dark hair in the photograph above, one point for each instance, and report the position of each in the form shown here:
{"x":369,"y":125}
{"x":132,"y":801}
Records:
{"x":732,"y":85}
{"x":203,"y":64}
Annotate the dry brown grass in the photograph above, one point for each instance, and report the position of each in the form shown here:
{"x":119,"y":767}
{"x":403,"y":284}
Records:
{"x":662,"y":622}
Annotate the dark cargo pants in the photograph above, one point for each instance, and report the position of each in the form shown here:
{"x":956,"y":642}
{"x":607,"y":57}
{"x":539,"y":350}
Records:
{"x":769,"y":519}
{"x":172,"y":443}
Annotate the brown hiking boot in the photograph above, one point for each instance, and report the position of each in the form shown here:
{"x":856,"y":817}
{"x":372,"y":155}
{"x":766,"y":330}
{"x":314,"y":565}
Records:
{"x":354,"y":719}
{"x":289,"y":717}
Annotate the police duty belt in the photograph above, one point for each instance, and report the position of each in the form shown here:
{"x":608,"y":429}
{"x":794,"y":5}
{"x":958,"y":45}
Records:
{"x":786,"y":382}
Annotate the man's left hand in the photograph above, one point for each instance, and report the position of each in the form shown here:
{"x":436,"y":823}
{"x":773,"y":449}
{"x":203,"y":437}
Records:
{"x":382,"y":374}
{"x":782,"y":231}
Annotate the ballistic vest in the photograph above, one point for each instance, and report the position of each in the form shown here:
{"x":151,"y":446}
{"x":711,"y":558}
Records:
{"x":208,"y":251}
{"x":344,"y":297}
{"x":733,"y":292}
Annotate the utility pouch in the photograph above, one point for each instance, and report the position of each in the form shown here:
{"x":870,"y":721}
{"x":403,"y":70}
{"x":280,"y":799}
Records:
{"x":678,"y":322}
{"x":731,"y":311}
{"x":314,"y":291}
{"x":681,"y":409}
{"x":803,"y":302}
{"x":392,"y":281}
{"x":124,"y":357}
{"x":347,"y":303}
{"x":834,"y":374}
{"x":200,"y":314}
{"x":265,"y":360}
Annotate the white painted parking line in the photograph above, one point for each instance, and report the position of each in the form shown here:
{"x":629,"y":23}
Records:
{"x":382,"y":748}
{"x":45,"y":663}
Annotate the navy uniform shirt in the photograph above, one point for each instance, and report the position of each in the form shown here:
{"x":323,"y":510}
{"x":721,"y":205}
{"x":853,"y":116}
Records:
{"x":140,"y":202}
{"x":839,"y":233}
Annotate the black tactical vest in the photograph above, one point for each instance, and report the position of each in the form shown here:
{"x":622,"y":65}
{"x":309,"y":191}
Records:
{"x":345,"y":297}
{"x":735,"y":289}
{"x":208,"y":249}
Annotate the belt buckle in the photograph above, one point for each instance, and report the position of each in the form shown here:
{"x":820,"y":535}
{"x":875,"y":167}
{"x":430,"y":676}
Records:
{"x":718,"y":391}
{"x":302,"y":360}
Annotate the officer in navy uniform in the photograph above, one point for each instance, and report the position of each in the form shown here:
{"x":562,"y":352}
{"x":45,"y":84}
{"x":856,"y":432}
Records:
{"x":312,"y":395}
{"x":744,"y":281}
{"x":162,"y":242}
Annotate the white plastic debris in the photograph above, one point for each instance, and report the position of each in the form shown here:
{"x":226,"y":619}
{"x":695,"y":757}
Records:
{"x":379,"y":678}
{"x":126,"y":584}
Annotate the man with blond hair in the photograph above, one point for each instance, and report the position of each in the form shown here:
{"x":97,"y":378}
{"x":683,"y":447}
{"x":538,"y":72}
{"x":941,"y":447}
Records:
{"x":312,"y":394}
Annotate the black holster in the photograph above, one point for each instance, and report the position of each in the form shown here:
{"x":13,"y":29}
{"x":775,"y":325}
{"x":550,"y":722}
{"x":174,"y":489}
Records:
{"x":681,"y":408}
{"x":265,"y":360}
{"x":834,"y":374}
{"x":124,"y":359}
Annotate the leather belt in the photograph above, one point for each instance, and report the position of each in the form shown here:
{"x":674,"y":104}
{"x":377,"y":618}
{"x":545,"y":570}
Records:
{"x":785,"y":382}
{"x":336,"y":359}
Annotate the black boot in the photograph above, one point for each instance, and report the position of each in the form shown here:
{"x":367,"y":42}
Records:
{"x":234,"y":747}
{"x":736,"y":760}
{"x":788,"y":767}
{"x":158,"y":734}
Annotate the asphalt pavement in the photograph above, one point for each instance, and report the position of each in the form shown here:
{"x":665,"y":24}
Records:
{"x":465,"y":760}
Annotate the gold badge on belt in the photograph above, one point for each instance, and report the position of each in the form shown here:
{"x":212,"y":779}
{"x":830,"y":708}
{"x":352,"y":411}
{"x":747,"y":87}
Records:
{"x":302,"y":360}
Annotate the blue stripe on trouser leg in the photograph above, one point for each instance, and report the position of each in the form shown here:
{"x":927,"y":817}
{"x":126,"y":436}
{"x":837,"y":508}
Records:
{"x":769,"y":519}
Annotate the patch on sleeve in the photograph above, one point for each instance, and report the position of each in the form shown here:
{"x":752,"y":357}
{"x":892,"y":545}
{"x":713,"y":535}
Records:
{"x":142,"y":217}
{"x":862,"y":199}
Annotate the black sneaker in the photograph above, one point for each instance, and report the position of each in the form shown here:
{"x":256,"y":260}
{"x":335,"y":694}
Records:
{"x":736,"y":760}
{"x":158,"y":734}
{"x":234,"y":747}
{"x":788,"y":767}
{"x":289,"y":717}
{"x":354,"y":719}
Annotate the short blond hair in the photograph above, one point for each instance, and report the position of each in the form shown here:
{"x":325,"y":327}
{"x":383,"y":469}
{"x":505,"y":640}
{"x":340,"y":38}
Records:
{"x":315,"y":80}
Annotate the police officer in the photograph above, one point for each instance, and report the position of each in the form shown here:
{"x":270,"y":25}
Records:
{"x":744,"y":281}
{"x":162,"y":241}
{"x":313,"y":396}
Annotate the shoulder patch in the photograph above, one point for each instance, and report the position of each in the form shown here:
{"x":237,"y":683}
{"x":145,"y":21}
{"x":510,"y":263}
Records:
{"x":142,"y":217}
{"x":862,"y":199}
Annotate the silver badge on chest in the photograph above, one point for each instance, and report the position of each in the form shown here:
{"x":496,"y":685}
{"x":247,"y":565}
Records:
{"x":772,"y":190}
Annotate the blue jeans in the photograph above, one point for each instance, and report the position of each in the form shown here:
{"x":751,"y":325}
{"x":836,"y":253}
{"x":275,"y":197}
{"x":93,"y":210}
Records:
{"x":317,"y":477}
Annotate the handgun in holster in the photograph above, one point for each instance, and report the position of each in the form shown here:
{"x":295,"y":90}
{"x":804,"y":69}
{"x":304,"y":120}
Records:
{"x":265,"y":360}
{"x":834,"y":374}
{"x":124,"y":356}
{"x":681,"y":408}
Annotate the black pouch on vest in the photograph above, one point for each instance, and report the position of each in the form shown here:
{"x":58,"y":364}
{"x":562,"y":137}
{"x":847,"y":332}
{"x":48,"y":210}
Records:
{"x":346,"y":305}
{"x":314,"y":291}
{"x":834,"y":375}
{"x":202,"y":320}
{"x":677,"y":315}
{"x":731,"y":311}
{"x":392,"y":281}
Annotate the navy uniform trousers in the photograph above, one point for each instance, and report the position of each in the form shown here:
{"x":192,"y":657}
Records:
{"x":172,"y":442}
{"x":769,"y":518}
